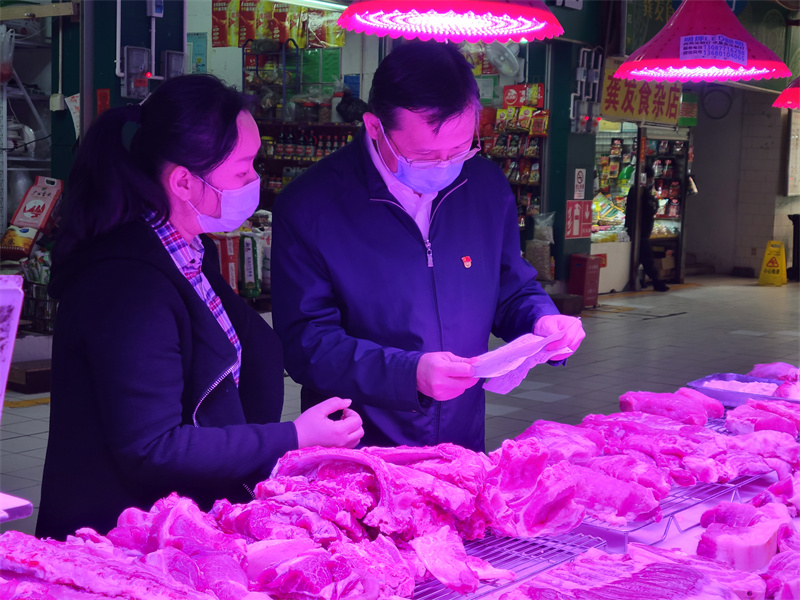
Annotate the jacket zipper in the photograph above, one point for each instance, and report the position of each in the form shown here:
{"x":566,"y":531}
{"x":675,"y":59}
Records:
{"x":429,"y":258}
{"x":426,"y":241}
{"x":217,"y":381}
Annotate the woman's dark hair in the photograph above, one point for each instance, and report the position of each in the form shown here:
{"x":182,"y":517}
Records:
{"x":423,"y":77}
{"x":188,"y":121}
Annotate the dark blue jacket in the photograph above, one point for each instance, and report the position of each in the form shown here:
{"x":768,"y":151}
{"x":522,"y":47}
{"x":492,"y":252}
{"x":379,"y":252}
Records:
{"x":138,"y":409}
{"x":359,"y":295}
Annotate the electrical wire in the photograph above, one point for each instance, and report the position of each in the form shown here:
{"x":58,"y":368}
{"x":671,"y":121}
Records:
{"x":25,"y":144}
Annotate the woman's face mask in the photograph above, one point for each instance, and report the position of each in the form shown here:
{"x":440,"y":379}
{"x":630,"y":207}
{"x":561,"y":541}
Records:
{"x":236,"y":206}
{"x":428,"y":176}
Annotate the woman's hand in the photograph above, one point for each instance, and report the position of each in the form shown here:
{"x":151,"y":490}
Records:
{"x":315,"y":428}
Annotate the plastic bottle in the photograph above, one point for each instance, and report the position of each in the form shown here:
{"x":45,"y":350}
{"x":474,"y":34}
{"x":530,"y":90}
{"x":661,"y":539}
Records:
{"x":300,"y":148}
{"x":328,"y":148}
{"x":310,"y":146}
{"x":319,"y":152}
{"x":279,"y":145}
{"x":288,"y":147}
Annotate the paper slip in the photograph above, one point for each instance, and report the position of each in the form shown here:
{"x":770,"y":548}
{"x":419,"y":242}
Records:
{"x":512,"y":355}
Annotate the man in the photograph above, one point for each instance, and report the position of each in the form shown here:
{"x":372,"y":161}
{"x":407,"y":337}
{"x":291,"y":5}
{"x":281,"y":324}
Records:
{"x":649,"y":208}
{"x":395,"y":258}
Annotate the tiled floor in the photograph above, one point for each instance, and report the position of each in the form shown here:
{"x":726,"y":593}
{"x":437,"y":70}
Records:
{"x":639,"y":341}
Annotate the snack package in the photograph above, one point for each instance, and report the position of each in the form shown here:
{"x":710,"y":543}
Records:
{"x":532,"y":149}
{"x":533,"y":176}
{"x":678,"y":147}
{"x":502,"y":119}
{"x":323,"y":31}
{"x":658,"y":168}
{"x":616,"y":147}
{"x":249,"y":282}
{"x":17,"y":242}
{"x":543,"y":227}
{"x":651,"y":148}
{"x":525,"y":116}
{"x":228,"y":249}
{"x":224,"y":23}
{"x":38,"y":203}
{"x":663,"y":146}
{"x":667,"y":173}
{"x":539,"y":122}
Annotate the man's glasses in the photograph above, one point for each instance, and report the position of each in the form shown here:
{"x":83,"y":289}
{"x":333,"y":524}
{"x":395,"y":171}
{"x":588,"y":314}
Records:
{"x":441,"y":162}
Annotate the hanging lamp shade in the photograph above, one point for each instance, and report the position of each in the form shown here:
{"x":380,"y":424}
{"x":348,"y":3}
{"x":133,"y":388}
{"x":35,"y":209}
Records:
{"x":452,"y":20}
{"x":703,"y":41}
{"x":790,"y":97}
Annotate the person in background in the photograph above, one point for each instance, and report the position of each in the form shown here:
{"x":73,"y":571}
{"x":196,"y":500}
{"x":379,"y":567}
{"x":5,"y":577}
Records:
{"x":395,"y":258}
{"x":163,"y":378}
{"x":649,"y":207}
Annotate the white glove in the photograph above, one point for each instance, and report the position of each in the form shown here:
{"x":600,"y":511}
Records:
{"x":444,"y":376}
{"x":314,"y":428}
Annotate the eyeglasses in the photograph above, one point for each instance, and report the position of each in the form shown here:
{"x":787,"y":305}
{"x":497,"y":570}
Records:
{"x":441,"y":162}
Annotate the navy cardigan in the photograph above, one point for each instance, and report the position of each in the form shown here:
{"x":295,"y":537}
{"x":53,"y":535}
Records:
{"x":140,"y":404}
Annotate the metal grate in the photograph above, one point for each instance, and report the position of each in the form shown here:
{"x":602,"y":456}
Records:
{"x":718,"y":426}
{"x":679,"y":500}
{"x":525,"y":557}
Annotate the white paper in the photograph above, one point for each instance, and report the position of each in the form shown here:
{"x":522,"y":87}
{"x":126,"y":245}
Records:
{"x":507,"y":366}
{"x":509,"y":357}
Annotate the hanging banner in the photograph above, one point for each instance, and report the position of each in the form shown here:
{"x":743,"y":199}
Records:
{"x":651,"y":101}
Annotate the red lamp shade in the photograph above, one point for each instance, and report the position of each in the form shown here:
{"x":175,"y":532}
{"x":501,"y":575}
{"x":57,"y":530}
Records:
{"x":451,"y":20}
{"x":702,"y":41}
{"x":790,"y":97}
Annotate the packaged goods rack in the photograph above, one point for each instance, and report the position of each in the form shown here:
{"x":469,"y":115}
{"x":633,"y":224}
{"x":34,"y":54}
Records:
{"x":526,"y":557}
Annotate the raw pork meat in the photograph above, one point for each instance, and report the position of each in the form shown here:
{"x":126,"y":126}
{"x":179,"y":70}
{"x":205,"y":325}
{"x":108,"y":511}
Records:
{"x":745,"y":547}
{"x":734,"y":514}
{"x":612,"y":500}
{"x":410,"y":503}
{"x":674,"y":406}
{"x":787,"y":410}
{"x":789,"y":389}
{"x":783,"y":576}
{"x":565,"y":442}
{"x":549,"y":508}
{"x":635,"y":467}
{"x":383,"y":561}
{"x":746,"y":419}
{"x":713,"y":407}
{"x":643,"y":573}
{"x":443,"y":554}
{"x":108,"y":572}
{"x":786,"y":491}
{"x":777,"y":370}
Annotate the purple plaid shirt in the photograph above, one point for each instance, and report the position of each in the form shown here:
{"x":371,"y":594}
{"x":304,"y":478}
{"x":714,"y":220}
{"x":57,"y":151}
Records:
{"x":189,"y":260}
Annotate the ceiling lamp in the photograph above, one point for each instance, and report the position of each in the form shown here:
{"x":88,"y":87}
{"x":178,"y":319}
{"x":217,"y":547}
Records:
{"x":702,"y":41}
{"x":790,"y":97}
{"x":452,"y":20}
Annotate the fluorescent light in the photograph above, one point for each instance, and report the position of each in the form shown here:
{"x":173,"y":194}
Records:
{"x":320,"y":4}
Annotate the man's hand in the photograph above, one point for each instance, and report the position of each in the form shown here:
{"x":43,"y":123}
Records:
{"x":314,"y":428}
{"x":444,"y":376}
{"x":573,"y":333}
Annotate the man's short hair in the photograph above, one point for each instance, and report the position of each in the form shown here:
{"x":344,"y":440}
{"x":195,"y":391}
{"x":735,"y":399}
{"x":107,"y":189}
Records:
{"x":423,"y":77}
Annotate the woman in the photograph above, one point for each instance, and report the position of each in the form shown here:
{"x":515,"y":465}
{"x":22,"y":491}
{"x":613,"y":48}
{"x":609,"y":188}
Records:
{"x":163,"y":378}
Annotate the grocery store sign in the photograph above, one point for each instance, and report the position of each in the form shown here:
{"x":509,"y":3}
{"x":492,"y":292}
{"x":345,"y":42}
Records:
{"x":651,"y":101}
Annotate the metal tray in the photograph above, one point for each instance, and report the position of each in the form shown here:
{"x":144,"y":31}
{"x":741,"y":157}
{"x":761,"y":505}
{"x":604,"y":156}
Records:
{"x":729,"y":397}
{"x":525,"y":557}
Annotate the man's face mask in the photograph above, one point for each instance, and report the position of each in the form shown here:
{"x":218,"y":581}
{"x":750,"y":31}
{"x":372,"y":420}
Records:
{"x":428,"y":176}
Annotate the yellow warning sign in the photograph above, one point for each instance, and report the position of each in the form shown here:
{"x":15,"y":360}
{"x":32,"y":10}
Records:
{"x":773,"y":269}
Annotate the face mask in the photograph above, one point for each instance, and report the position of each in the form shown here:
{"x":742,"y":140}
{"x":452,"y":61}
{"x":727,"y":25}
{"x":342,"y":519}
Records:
{"x":236,"y":206}
{"x":434,"y":176}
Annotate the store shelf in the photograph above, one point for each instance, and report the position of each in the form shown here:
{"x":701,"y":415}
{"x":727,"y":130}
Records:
{"x":525,"y":557}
